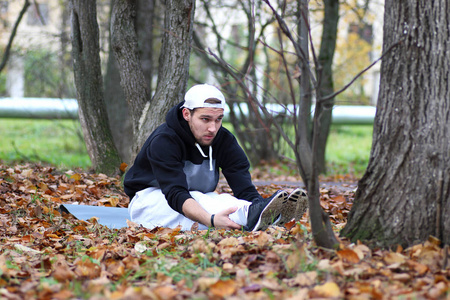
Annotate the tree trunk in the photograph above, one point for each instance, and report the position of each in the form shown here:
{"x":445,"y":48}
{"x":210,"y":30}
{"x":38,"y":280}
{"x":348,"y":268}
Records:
{"x":173,"y":64}
{"x":303,"y":139}
{"x":325,"y":76}
{"x":404,"y":196}
{"x":145,"y":13}
{"x":124,"y":44}
{"x":88,"y":80}
{"x":306,"y":154}
{"x":117,"y":106}
{"x":173,"y":70}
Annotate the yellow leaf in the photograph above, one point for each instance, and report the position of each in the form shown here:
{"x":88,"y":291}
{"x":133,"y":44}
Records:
{"x":76,"y":177}
{"x":327,"y":290}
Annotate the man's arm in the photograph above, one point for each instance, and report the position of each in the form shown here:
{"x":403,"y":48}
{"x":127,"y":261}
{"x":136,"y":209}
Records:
{"x":195,"y":212}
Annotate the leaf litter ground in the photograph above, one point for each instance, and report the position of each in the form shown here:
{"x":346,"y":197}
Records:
{"x":46,"y":255}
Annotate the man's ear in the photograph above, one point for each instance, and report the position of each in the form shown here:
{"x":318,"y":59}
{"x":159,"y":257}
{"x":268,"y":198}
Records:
{"x":186,"y":114}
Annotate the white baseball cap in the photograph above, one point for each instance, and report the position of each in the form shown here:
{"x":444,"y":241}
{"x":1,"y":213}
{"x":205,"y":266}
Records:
{"x":197,"y":95}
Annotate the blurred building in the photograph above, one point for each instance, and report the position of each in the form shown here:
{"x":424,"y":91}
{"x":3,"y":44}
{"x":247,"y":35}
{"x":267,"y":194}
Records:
{"x":40,"y":28}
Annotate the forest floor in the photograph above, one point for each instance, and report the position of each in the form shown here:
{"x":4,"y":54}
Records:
{"x":48,"y":255}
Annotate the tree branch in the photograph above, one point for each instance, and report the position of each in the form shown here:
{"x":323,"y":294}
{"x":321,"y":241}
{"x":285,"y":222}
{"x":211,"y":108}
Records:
{"x":13,"y":34}
{"x":323,"y":99}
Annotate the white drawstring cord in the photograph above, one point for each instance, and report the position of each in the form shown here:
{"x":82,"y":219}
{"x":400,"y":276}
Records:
{"x":203,"y":154}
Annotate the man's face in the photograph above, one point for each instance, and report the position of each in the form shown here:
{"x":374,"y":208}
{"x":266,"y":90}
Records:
{"x":204,"y":123}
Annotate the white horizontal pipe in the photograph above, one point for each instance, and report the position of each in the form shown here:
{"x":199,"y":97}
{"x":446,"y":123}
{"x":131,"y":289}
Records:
{"x":53,"y":108}
{"x":38,"y":108}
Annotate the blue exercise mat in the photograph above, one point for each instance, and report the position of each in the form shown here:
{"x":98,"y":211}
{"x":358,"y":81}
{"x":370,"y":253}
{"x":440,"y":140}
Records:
{"x":112,"y":217}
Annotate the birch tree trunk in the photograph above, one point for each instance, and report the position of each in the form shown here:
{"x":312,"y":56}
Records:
{"x":404,"y":196}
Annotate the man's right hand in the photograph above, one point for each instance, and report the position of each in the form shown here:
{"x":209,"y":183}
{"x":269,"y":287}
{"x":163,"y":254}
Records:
{"x":195,"y":212}
{"x":222,"y":219}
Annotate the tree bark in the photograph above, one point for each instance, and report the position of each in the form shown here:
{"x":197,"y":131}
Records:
{"x":117,"y":106}
{"x":404,"y":196}
{"x":306,"y":155}
{"x":173,"y":64}
{"x":132,"y":79}
{"x":145,"y":15}
{"x":325,"y":76}
{"x":173,"y":71}
{"x":88,"y":80}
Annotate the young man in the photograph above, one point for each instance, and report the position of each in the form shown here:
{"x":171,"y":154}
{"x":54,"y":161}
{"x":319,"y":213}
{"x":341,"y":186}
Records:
{"x":173,"y":178}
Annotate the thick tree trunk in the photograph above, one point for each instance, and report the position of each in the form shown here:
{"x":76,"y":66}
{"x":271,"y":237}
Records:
{"x":404,"y":195}
{"x":117,"y":108}
{"x":173,"y":71}
{"x":124,"y":44}
{"x":88,"y":80}
{"x":325,"y":77}
{"x":173,"y":64}
{"x":145,"y":13}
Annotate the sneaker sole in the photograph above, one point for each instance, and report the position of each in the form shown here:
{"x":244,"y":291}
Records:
{"x":294,"y":207}
{"x":271,"y":212}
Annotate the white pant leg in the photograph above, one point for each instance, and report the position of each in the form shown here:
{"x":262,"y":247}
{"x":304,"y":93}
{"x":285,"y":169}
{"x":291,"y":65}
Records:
{"x":214,"y":203}
{"x":149,"y":207}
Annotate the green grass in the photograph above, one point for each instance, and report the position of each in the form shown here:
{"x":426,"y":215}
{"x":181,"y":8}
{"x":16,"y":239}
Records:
{"x":348,"y":149}
{"x":57,"y":142}
{"x":60,"y":143}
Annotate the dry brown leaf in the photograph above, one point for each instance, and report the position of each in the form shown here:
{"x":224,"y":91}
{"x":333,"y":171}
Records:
{"x":348,"y":255}
{"x":223,"y":288}
{"x":394,"y":258}
{"x":165,"y":292}
{"x":229,"y":242}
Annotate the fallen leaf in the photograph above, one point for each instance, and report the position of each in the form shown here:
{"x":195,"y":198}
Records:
{"x":223,"y":288}
{"x":348,"y":255}
{"x":394,"y":258}
{"x":327,"y":290}
{"x":123,"y":167}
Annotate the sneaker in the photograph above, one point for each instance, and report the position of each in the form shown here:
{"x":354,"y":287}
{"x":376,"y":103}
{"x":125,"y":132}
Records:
{"x":266,"y":212}
{"x":294,"y":207}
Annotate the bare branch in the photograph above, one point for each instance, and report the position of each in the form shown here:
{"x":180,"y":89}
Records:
{"x":325,"y":98}
{"x":13,"y":34}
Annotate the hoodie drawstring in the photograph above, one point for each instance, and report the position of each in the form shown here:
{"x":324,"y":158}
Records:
{"x":203,"y":154}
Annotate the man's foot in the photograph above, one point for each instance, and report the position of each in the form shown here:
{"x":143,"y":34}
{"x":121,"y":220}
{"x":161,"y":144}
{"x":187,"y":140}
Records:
{"x":294,"y":207}
{"x":266,"y":212}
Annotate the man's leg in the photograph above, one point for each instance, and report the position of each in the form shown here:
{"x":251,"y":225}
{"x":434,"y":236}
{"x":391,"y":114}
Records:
{"x":149,"y":208}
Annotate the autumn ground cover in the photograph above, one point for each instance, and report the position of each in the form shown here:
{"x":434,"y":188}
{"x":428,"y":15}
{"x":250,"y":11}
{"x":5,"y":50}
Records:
{"x":45,"y":254}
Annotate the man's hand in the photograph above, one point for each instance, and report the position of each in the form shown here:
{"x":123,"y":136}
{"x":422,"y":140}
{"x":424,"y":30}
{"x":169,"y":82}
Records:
{"x":222,"y":219}
{"x":195,"y":212}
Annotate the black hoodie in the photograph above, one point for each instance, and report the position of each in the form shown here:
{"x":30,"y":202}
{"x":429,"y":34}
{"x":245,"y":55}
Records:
{"x":171,"y":161}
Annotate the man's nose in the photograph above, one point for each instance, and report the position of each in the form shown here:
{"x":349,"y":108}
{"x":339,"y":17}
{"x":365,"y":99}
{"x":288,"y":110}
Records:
{"x":212,"y":127}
